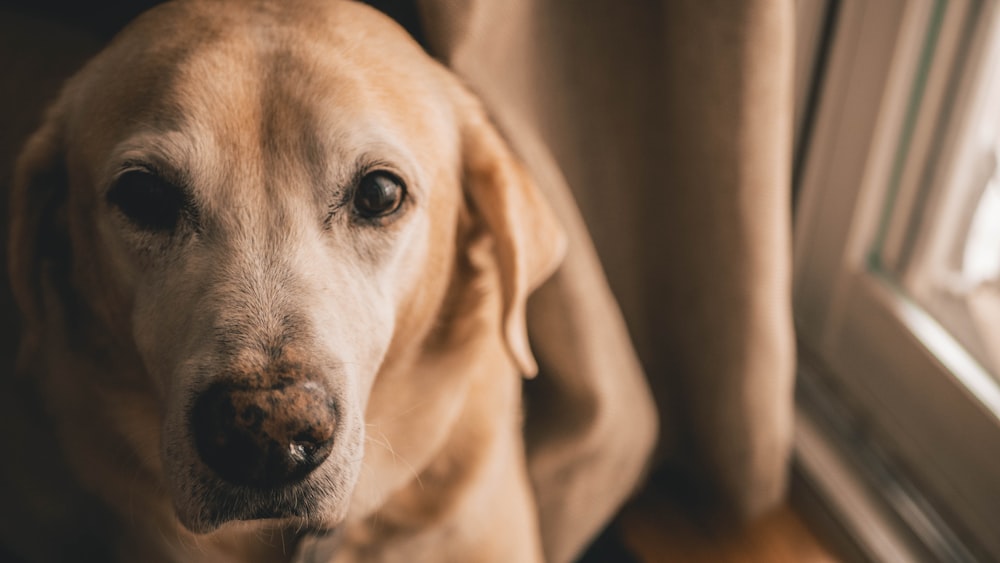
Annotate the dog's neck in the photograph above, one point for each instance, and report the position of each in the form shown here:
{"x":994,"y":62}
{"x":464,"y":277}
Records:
{"x":427,"y":453}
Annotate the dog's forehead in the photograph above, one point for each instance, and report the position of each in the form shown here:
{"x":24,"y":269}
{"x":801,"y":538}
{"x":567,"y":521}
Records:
{"x":247,"y":82}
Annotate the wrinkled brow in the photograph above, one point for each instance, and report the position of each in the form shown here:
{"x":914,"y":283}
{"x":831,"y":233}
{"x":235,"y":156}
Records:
{"x":175,"y":155}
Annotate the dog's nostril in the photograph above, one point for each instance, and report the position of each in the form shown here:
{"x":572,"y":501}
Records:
{"x":304,"y":445}
{"x":299,"y":451}
{"x":263,"y":437}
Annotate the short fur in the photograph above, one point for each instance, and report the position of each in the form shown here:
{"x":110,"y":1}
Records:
{"x":267,"y":112}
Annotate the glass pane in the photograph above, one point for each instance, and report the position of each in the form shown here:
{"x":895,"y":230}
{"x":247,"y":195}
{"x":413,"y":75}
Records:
{"x":980,"y":272}
{"x":948,"y":259}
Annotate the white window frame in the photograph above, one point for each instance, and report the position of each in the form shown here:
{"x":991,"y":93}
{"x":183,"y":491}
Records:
{"x":920,"y":395}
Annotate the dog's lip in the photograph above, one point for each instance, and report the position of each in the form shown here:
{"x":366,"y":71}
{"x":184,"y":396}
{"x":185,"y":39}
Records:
{"x":224,"y":506}
{"x":269,"y":513}
{"x":208,"y":523}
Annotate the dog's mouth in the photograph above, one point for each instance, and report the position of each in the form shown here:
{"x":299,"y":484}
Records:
{"x":222,"y":504}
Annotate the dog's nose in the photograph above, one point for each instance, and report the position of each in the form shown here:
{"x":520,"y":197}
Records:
{"x":264,"y":436}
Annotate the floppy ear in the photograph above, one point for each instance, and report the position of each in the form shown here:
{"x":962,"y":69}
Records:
{"x":39,"y":249}
{"x":529,"y":242}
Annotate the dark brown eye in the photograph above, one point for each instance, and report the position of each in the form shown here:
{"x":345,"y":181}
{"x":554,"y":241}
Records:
{"x":147,"y":201}
{"x":378,"y":194}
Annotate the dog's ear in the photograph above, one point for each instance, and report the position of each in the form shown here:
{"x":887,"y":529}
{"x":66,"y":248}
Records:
{"x":529,"y":242}
{"x":39,"y":249}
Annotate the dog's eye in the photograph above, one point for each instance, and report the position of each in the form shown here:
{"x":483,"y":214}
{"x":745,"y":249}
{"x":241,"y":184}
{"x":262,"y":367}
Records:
{"x":378,"y":194}
{"x":148,"y":201}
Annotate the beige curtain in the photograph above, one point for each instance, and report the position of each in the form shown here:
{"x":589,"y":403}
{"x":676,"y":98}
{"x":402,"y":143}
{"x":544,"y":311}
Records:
{"x":670,"y":124}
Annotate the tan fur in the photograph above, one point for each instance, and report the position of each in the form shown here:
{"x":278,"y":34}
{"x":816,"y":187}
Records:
{"x":416,"y":326}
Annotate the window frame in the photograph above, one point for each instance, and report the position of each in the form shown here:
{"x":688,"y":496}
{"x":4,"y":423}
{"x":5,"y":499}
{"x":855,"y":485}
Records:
{"x":890,"y":65}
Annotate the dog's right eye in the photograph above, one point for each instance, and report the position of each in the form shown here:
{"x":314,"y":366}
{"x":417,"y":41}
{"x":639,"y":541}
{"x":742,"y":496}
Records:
{"x":147,"y":201}
{"x":379,"y":194}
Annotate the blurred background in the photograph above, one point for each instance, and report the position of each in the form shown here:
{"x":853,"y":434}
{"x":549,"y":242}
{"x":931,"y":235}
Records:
{"x":797,"y":216}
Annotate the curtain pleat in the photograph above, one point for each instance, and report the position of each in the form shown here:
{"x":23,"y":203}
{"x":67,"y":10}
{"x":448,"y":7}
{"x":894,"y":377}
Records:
{"x":671,"y":125}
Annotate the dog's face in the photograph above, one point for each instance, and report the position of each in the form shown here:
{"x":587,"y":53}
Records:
{"x":260,"y":201}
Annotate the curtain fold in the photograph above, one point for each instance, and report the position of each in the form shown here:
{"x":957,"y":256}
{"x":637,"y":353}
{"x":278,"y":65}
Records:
{"x":723,"y":312}
{"x":672,"y":125}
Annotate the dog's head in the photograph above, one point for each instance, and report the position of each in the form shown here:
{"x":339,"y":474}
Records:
{"x":256,"y":202}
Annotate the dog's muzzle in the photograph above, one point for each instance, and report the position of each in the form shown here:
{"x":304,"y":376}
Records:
{"x":267,"y":430}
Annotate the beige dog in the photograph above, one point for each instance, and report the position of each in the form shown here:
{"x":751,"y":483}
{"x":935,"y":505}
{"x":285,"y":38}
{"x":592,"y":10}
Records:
{"x":273,"y":263}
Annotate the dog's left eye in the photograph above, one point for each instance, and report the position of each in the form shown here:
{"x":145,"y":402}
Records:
{"x":378,"y":194}
{"x":147,"y":201}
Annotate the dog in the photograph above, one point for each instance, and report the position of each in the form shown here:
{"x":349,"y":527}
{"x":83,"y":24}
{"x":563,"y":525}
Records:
{"x":272,"y":262}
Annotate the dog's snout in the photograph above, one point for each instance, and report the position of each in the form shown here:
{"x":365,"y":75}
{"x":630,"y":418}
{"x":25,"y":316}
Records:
{"x":264,"y":432}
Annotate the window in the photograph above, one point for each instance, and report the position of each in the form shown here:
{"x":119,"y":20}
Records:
{"x":897,"y":268}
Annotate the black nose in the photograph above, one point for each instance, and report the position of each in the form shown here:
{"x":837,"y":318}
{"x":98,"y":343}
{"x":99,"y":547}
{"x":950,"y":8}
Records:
{"x":263,"y":436}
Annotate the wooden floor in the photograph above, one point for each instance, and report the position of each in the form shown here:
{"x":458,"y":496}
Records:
{"x":657,"y":531}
